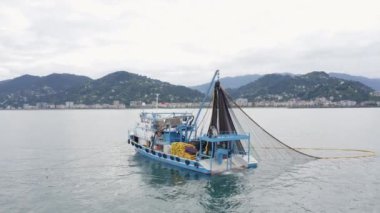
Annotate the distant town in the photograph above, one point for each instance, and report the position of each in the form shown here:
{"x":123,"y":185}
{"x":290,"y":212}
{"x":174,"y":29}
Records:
{"x":242,"y":102}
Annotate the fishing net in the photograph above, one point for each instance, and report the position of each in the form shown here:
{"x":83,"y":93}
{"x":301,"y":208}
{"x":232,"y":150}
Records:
{"x":226,"y":115}
{"x":265,"y":146}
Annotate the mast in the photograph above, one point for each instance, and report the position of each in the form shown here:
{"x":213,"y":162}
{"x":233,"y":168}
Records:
{"x":221,"y":119}
{"x":216,"y":75}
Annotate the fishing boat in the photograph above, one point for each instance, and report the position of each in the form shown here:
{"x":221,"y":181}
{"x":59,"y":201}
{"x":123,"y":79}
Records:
{"x":176,"y":138}
{"x":221,"y":137}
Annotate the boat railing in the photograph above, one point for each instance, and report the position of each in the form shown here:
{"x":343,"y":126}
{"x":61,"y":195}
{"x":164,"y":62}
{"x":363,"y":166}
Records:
{"x":162,"y":115}
{"x":225,"y":136}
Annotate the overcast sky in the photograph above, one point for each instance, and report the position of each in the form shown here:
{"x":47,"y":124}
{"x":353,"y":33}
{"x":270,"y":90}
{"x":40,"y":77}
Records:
{"x":184,"y":42}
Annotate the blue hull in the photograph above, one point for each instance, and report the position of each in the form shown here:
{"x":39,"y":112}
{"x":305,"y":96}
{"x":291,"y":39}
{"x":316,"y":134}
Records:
{"x":181,"y":163}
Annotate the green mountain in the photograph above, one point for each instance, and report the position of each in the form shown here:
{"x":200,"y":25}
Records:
{"x":122,"y":86}
{"x":32,"y":89}
{"x":126,"y":87}
{"x":53,"y":82}
{"x":313,"y":85}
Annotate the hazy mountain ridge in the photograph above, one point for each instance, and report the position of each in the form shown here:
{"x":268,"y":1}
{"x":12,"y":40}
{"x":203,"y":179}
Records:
{"x":374,"y":83}
{"x":230,"y":82}
{"x":238,"y":81}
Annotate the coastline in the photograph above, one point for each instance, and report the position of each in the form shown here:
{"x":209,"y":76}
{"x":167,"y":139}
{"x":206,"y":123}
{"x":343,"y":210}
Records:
{"x":151,"y":108}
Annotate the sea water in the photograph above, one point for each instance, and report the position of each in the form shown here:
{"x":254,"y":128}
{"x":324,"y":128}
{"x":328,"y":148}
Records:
{"x":79,"y":161}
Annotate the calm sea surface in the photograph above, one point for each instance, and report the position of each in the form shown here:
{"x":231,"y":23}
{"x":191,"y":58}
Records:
{"x":79,"y":161}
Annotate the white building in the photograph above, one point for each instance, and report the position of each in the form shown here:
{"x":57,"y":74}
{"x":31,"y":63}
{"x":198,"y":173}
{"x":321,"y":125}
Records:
{"x":136,"y":103}
{"x":69,"y":104}
{"x":347,"y":103}
{"x":243,"y":102}
{"x":376,"y":93}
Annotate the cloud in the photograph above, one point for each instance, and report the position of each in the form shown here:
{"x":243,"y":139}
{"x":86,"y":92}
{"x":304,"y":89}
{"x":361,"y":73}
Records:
{"x":183,"y":42}
{"x":355,"y":53}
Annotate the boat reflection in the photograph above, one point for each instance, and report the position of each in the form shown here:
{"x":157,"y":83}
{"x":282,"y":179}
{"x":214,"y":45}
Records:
{"x":218,"y":193}
{"x":215,"y":193}
{"x":160,"y":174}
